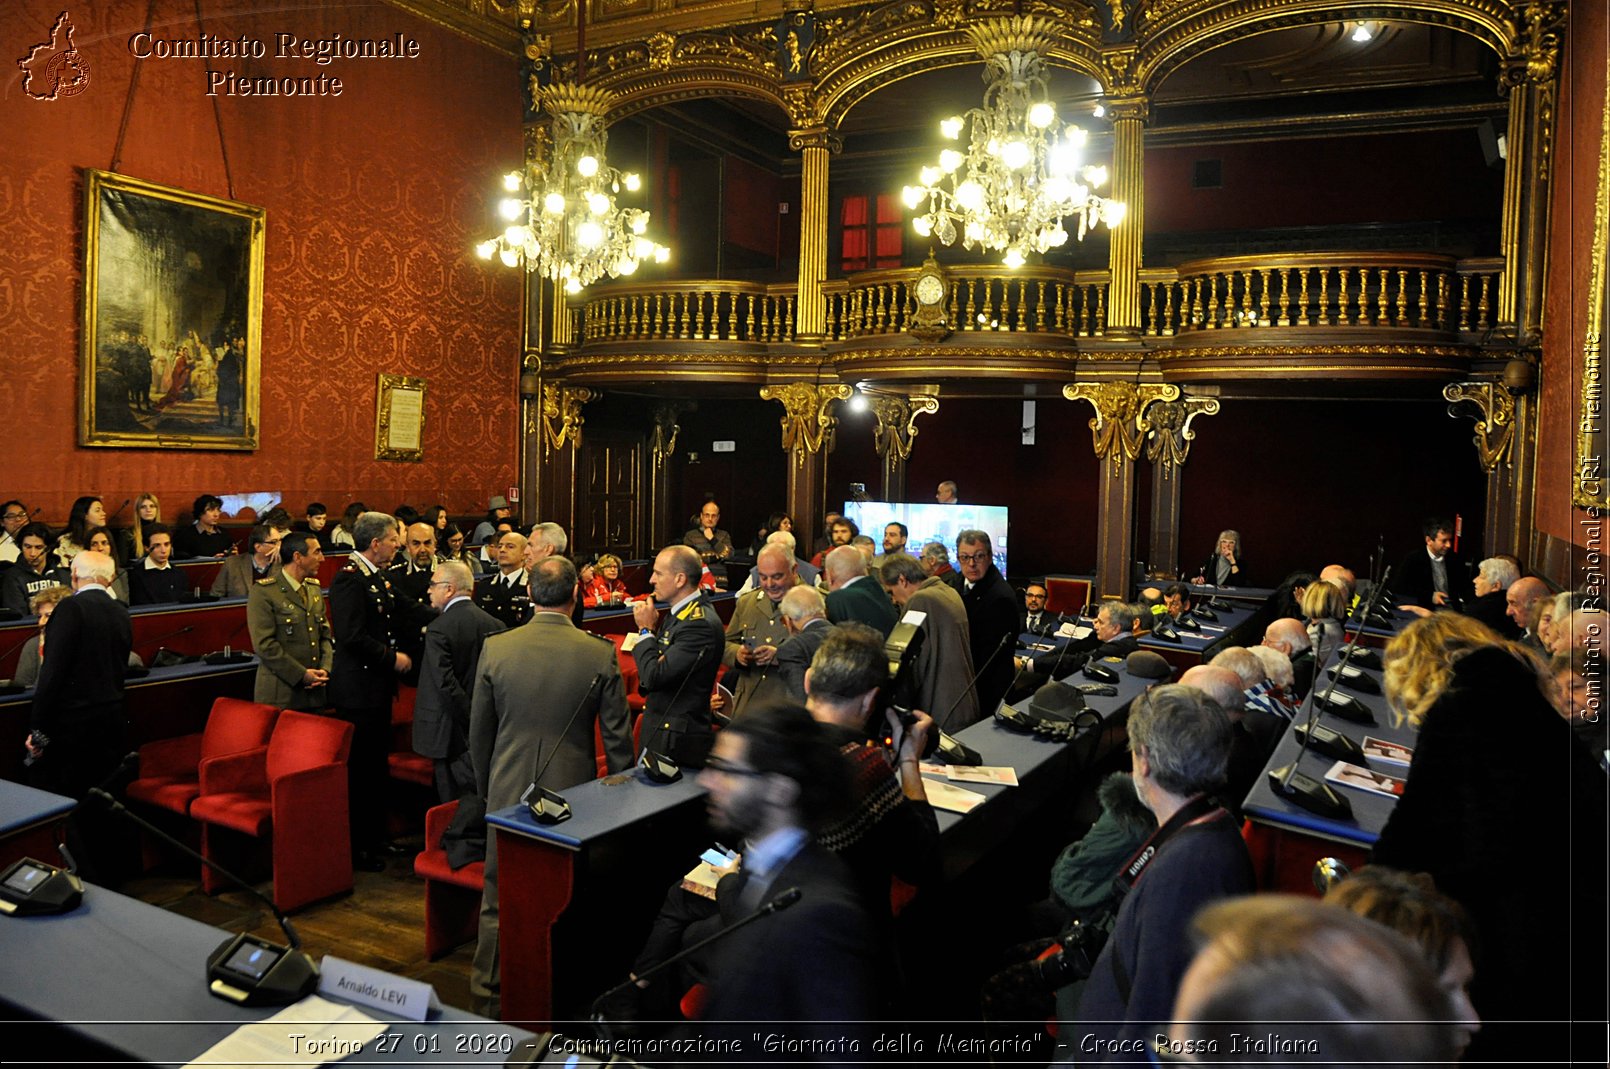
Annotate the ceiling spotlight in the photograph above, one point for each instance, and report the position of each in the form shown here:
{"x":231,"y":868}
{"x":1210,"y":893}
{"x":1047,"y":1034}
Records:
{"x":1363,"y":33}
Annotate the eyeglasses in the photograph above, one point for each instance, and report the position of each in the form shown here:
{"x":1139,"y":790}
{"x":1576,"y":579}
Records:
{"x":973,"y":558}
{"x":16,"y":516}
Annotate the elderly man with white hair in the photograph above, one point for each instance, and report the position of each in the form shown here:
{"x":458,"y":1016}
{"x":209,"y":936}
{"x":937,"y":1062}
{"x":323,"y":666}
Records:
{"x":1493,"y":579}
{"x":808,"y":573}
{"x":1277,"y":689}
{"x":1291,"y":638}
{"x":805,"y":616}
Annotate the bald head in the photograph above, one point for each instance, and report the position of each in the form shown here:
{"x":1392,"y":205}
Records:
{"x":774,"y":571}
{"x":801,"y":605}
{"x":842,"y":565}
{"x":1219,"y":684}
{"x":1287,"y":635}
{"x":1342,"y":576}
{"x":1240,"y":660}
{"x":784,"y":539}
{"x":421,"y":543}
{"x":1521,"y":601}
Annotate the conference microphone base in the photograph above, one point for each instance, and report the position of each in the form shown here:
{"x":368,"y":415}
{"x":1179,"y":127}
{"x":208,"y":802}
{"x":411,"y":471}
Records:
{"x":249,"y":971}
{"x":1308,"y":793}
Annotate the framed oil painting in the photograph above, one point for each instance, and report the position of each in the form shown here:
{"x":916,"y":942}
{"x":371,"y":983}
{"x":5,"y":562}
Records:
{"x":173,"y":318}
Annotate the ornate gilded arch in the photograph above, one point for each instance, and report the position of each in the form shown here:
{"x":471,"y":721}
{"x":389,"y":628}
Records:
{"x":1171,"y":34}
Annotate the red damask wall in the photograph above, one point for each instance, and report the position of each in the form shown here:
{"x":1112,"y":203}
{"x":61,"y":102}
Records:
{"x":374,"y":199}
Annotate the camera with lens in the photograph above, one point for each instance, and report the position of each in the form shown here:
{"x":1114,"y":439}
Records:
{"x":1074,"y":956}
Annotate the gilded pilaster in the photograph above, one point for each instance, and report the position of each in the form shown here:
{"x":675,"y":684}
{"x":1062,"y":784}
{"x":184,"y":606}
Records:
{"x":815,"y":145}
{"x":1118,"y":432}
{"x":1168,"y":444}
{"x":1129,"y":186}
{"x":894,"y":435}
{"x":808,"y":427}
{"x":1532,"y":81}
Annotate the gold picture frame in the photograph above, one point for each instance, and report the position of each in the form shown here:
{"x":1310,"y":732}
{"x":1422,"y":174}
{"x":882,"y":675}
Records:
{"x":170,"y":354}
{"x":400,"y":418}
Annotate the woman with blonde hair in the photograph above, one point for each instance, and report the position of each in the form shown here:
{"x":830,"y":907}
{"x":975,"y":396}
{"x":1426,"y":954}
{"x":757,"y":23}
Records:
{"x":1324,"y":607}
{"x":1506,"y":812}
{"x":606,"y":588}
{"x":147,"y":511}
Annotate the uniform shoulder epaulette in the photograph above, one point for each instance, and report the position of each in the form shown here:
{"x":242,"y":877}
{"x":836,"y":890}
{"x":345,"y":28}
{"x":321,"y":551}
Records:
{"x":351,"y":566}
{"x":270,"y":581}
{"x":759,"y":594}
{"x":695,"y":612}
{"x":310,"y":579}
{"x":601,"y":638}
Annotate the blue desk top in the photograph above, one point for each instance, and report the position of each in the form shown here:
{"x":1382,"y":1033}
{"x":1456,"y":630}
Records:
{"x":599,"y":809}
{"x":1197,"y":641}
{"x":21,"y":806}
{"x":133,"y":977}
{"x":1370,"y":810}
{"x":1240,"y":593}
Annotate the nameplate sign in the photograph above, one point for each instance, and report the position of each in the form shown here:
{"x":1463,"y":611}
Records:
{"x":351,"y":982}
{"x":914,"y":617}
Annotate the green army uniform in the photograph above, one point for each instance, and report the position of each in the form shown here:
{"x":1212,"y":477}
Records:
{"x":291,"y":634}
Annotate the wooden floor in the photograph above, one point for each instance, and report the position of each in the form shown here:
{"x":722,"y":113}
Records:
{"x":381,"y":923}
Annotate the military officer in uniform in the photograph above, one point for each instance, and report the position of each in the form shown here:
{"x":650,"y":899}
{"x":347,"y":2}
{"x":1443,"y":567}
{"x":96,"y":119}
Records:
{"x":506,"y":592}
{"x":412,"y":577}
{"x":366,"y":619}
{"x":676,"y":667}
{"x":757,"y":628}
{"x":285,"y":614}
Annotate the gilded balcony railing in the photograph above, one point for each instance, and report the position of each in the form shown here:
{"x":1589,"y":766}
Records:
{"x":691,"y":310}
{"x":1354,"y":291}
{"x":978,"y":298}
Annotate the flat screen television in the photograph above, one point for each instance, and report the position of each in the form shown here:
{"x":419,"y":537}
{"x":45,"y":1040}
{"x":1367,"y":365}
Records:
{"x":932,"y":522}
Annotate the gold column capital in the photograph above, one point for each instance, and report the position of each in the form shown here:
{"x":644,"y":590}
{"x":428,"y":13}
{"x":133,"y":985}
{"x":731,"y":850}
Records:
{"x":1118,"y":62}
{"x":1169,"y":436}
{"x":897,"y":421}
{"x":808,"y":425}
{"x":817,"y":137}
{"x":804,"y":106}
{"x":1540,"y":41}
{"x":561,"y":414}
{"x":1495,"y":430}
{"x":1119,"y":426}
{"x":1129,"y":108}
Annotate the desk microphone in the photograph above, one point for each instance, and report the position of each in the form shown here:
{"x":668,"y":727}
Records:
{"x":119,"y":511}
{"x":780,"y":901}
{"x":185,"y":630}
{"x":549,"y":807}
{"x":228,"y":655}
{"x":244,"y":969}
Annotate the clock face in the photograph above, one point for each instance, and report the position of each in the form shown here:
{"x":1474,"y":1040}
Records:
{"x":930,"y":289}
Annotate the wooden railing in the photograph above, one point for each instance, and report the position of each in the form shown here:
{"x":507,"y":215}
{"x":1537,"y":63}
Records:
{"x":980,"y":298}
{"x":1356,"y":291}
{"x":692,"y":310}
{"x":1305,"y":292}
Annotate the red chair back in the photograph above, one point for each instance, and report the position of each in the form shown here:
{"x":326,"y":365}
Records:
{"x":235,"y":725}
{"x":302,"y":740}
{"x":1066,"y":595}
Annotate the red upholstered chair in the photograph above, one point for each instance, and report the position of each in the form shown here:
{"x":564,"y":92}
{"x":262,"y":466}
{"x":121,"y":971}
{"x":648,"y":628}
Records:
{"x":292,"y":791}
{"x":402,"y":762}
{"x":1067,"y":595}
{"x":452,"y":896}
{"x":170,"y":776}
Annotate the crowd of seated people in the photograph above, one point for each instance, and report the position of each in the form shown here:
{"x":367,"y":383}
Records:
{"x":1509,"y":727}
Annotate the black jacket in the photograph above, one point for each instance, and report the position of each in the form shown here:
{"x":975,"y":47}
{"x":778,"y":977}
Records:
{"x":992,"y":616}
{"x":87,"y":643}
{"x":367,"y":618}
{"x":676,"y":670}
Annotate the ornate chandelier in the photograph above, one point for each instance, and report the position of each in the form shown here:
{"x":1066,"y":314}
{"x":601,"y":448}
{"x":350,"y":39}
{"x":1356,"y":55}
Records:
{"x":563,"y":220}
{"x":1020,"y":175}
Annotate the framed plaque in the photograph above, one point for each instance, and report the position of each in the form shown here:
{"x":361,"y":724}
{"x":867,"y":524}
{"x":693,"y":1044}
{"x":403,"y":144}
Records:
{"x":400,"y":418}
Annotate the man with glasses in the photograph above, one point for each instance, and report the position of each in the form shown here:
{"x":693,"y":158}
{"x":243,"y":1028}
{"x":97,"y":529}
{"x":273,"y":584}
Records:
{"x":1034,"y":614}
{"x":31,"y":573}
{"x":1291,"y":638}
{"x":285,"y":616}
{"x":452,"y":650}
{"x":13,"y":518}
{"x":991,"y":616}
{"x":239,"y":573}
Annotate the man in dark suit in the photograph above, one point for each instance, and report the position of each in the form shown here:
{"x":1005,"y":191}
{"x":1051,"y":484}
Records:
{"x":529,"y":683}
{"x":77,"y":719}
{"x":1521,"y":604}
{"x":676,"y":666}
{"x":805,"y":615}
{"x":992,"y":621}
{"x":1113,"y":636}
{"x":1494,"y":576}
{"x":367,"y":619}
{"x":1291,"y":638}
{"x":452,"y":652}
{"x":1429,"y":577}
{"x":853,"y":594}
{"x":772,"y":778}
{"x":1034,"y":615}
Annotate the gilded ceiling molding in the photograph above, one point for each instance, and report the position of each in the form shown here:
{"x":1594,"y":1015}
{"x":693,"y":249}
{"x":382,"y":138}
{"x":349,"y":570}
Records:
{"x":808,"y":425}
{"x":1274,"y":350}
{"x":498,"y":30}
{"x":1495,"y":430}
{"x":897,"y":421}
{"x":561,"y":414}
{"x":1169,"y":438}
{"x":1119,"y":427}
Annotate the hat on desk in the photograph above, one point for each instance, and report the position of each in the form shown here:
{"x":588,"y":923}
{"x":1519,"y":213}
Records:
{"x":1148,"y":665}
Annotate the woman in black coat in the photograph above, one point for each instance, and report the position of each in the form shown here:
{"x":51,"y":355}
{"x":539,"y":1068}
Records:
{"x":1506,"y":811}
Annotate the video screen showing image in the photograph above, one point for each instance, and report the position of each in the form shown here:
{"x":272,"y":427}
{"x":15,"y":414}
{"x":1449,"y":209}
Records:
{"x":932,"y":522}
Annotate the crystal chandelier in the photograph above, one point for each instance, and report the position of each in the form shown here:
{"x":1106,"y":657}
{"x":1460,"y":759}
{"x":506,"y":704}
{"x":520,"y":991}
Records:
{"x":563,"y":220}
{"x":1020,"y":175}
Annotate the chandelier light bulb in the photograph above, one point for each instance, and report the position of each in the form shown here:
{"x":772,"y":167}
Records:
{"x":510,"y":256}
{"x":633,"y":182}
{"x":1013,"y":258}
{"x":589,"y":235}
{"x":598,"y":203}
{"x":511,"y":181}
{"x":1016,"y":154}
{"x":515,"y":235}
{"x":970,"y":195}
{"x":661,"y":254}
{"x":1099,"y":110}
{"x":639,"y":224}
{"x":587,"y":166}
{"x":951,"y":127}
{"x":572,"y":286}
{"x":485,"y":249}
{"x":922,"y":225}
{"x":949,"y":160}
{"x":510,"y":208}
{"x":911,"y":196}
{"x":1096,"y":176}
{"x":1362,"y":33}
{"x":1113,"y":212}
{"x":929,"y":177}
{"x":1042,"y":115}
{"x":554,"y":204}
{"x":625,"y":266}
{"x":1078,"y":136}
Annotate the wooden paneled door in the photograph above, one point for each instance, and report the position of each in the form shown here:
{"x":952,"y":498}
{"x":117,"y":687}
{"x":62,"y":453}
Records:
{"x":609,"y":500}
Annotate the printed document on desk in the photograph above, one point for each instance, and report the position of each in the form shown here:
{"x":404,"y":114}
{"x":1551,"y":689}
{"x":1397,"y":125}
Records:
{"x":312,"y":1032}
